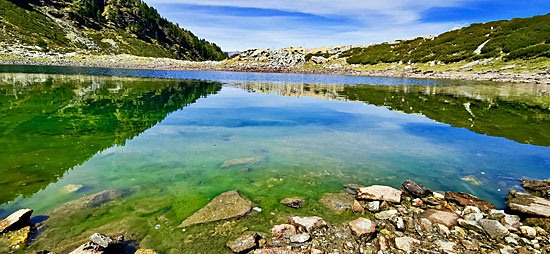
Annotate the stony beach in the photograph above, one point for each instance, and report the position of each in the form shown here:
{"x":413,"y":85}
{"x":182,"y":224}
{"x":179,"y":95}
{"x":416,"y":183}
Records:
{"x":412,"y":219}
{"x":280,"y":61}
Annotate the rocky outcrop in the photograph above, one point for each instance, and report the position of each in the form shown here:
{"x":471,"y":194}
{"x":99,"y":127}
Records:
{"x":227,"y":205}
{"x":466,"y":199}
{"x":379,"y":192}
{"x":15,"y":220}
{"x":528,"y":204}
{"x":537,"y":187}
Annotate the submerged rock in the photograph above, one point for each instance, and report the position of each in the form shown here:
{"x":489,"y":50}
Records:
{"x":227,"y":205}
{"x":466,"y":199}
{"x":242,"y":161}
{"x":294,"y":202}
{"x":244,"y":243}
{"x":69,"y":188}
{"x":90,"y":201}
{"x":337,"y":202}
{"x":528,"y":204}
{"x":16,"y":220}
{"x":362,"y":226}
{"x":18,"y":238}
{"x":351,"y":188}
{"x":416,"y":189}
{"x":448,"y":219}
{"x":539,"y":187}
{"x":379,"y":192}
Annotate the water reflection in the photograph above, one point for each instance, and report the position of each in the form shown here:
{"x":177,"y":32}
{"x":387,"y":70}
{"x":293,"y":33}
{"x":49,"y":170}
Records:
{"x":51,"y":123}
{"x":518,"y":112}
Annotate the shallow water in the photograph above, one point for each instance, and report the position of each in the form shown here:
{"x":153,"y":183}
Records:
{"x":163,"y":141}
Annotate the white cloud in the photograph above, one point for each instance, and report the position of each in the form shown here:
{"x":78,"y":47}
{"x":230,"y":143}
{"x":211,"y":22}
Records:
{"x":362,"y":22}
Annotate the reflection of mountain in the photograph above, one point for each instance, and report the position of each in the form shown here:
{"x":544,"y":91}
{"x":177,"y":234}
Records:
{"x":519,"y":112}
{"x":53,"y":123}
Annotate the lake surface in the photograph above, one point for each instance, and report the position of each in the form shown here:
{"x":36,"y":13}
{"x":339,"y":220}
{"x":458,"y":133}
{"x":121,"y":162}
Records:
{"x":160,"y":137}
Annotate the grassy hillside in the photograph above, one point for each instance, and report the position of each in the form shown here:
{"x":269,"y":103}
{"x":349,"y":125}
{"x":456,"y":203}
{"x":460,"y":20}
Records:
{"x":102,"y":26}
{"x":521,"y":38}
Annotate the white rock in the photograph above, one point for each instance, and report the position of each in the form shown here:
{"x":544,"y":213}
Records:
{"x":528,"y":231}
{"x":406,"y":244}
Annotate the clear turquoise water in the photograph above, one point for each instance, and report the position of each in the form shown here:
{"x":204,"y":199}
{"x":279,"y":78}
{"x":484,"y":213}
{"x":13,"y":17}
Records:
{"x":311,"y":135}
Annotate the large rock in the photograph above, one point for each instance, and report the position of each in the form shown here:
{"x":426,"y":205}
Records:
{"x":416,"y":189}
{"x":18,"y":238}
{"x":379,"y":192}
{"x":528,"y":204}
{"x":362,"y":226}
{"x":283,"y":231}
{"x":99,"y":244}
{"x":88,"y":248}
{"x":309,"y":224}
{"x":448,"y":219}
{"x":294,"y":202}
{"x":337,"y":202}
{"x":494,"y":229}
{"x":242,"y":161}
{"x":15,"y":221}
{"x":466,"y":199}
{"x":227,"y":205}
{"x":539,"y":187}
{"x":244,"y":243}
{"x":406,"y":244}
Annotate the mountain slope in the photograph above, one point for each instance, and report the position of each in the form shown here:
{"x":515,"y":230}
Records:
{"x":520,"y":38}
{"x":102,"y":26}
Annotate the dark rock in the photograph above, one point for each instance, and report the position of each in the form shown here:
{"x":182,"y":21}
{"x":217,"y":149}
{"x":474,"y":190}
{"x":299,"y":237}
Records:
{"x":16,"y":220}
{"x":538,"y":187}
{"x":294,"y":202}
{"x":244,"y":243}
{"x":227,"y":205}
{"x":448,"y":219}
{"x":466,"y":199}
{"x":528,"y":204}
{"x":416,"y":189}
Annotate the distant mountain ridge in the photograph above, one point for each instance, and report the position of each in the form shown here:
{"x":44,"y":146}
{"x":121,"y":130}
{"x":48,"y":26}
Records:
{"x":103,"y":26}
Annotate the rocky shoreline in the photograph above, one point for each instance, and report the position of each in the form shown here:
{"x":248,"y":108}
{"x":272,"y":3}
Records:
{"x":412,"y":219}
{"x":541,"y":76}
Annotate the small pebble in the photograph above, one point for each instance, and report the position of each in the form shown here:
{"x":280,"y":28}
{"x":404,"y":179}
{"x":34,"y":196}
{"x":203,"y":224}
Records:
{"x":157,"y":226}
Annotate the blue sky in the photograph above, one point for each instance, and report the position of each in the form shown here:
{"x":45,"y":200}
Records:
{"x":245,"y":24}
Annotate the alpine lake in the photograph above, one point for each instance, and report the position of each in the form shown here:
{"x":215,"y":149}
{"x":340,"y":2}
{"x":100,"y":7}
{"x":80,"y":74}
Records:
{"x":171,"y":141}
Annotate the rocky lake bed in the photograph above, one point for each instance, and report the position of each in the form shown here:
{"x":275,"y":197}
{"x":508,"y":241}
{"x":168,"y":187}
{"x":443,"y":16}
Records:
{"x":412,"y":219}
